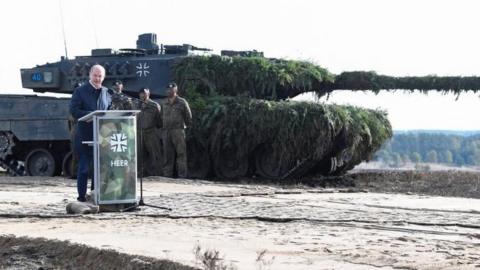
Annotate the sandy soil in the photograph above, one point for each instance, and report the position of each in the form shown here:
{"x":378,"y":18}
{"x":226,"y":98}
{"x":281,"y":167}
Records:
{"x":264,"y":226}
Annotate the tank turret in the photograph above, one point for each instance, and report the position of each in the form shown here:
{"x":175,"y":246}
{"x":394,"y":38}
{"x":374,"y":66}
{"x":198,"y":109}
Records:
{"x":148,"y":42}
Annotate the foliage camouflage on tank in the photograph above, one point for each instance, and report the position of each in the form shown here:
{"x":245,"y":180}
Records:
{"x":279,"y":79}
{"x":370,"y":80}
{"x":277,"y":139}
{"x":255,"y":77}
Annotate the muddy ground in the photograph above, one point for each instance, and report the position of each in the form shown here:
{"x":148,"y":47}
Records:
{"x":41,"y":253}
{"x":371,"y":220}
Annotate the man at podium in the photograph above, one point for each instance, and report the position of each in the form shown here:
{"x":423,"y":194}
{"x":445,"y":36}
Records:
{"x":87,"y":98}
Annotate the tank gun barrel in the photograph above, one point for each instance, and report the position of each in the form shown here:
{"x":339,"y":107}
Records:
{"x":369,"y":80}
{"x":200,"y":49}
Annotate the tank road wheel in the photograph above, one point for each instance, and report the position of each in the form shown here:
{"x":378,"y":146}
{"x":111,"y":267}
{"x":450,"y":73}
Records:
{"x":228,"y":166}
{"x":198,"y":160}
{"x":272,"y":164}
{"x":69,"y":166}
{"x":40,"y":162}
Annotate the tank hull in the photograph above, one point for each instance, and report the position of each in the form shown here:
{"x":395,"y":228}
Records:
{"x":230,"y":138}
{"x":34,"y":134}
{"x":238,"y":137}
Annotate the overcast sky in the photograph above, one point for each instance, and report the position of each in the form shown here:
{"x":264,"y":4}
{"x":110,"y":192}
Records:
{"x":390,"y":37}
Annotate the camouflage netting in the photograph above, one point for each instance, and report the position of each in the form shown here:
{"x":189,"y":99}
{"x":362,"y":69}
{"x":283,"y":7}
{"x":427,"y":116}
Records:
{"x":275,"y":79}
{"x":256,"y":77}
{"x":275,"y":136}
{"x":362,"y":80}
{"x":239,"y":135}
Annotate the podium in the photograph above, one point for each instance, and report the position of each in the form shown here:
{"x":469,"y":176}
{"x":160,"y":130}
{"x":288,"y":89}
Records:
{"x":114,"y":156}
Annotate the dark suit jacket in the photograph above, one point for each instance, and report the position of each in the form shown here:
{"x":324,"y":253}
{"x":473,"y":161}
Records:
{"x":84,"y":101}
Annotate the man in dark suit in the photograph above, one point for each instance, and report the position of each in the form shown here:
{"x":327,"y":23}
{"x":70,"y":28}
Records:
{"x":87,"y":98}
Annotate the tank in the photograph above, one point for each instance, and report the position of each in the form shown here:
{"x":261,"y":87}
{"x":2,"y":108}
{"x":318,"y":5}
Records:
{"x":35,"y":131}
{"x":245,"y":123}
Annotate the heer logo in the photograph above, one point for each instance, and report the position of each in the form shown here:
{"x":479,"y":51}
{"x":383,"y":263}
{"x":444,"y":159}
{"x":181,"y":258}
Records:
{"x":118,"y":142}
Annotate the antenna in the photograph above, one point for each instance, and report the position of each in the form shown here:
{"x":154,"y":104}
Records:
{"x":63,"y":28}
{"x":92,"y":12}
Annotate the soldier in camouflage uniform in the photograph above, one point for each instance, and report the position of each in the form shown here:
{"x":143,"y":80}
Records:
{"x":149,"y":120}
{"x":176,"y":116}
{"x":120,"y":101}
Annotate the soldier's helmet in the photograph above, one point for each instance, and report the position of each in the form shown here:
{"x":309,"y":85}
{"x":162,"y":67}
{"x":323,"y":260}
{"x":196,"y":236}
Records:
{"x":171,"y":85}
{"x":117,"y":85}
{"x":144,"y":90}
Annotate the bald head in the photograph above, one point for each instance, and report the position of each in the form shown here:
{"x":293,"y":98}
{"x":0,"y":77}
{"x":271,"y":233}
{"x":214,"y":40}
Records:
{"x":97,"y":75}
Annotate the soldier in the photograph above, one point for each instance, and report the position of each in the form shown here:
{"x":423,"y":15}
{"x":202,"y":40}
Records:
{"x":118,"y":86}
{"x":120,"y":101}
{"x":176,"y":116}
{"x":149,"y":119}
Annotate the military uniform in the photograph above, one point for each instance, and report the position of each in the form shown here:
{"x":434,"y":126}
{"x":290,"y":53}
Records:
{"x":120,"y":102}
{"x":176,"y":117}
{"x":149,"y":120}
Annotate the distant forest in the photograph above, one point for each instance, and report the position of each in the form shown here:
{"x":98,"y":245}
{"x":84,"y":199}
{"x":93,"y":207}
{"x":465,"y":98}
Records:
{"x":451,"y":148}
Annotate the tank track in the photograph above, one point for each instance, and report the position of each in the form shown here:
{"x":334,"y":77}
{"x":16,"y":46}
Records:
{"x":7,"y":161}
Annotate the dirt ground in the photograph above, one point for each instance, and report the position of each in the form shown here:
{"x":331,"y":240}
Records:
{"x":41,"y":253}
{"x":376,"y":220}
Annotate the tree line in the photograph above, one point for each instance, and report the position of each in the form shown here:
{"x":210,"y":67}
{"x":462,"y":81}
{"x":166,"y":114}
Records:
{"x":447,"y":149}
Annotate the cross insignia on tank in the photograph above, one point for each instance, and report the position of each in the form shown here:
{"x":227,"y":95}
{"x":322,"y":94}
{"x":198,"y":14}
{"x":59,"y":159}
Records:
{"x":142,"y":69}
{"x":118,"y":142}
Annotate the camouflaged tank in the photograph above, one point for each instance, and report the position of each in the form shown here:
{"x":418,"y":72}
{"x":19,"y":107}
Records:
{"x":245,"y":123}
